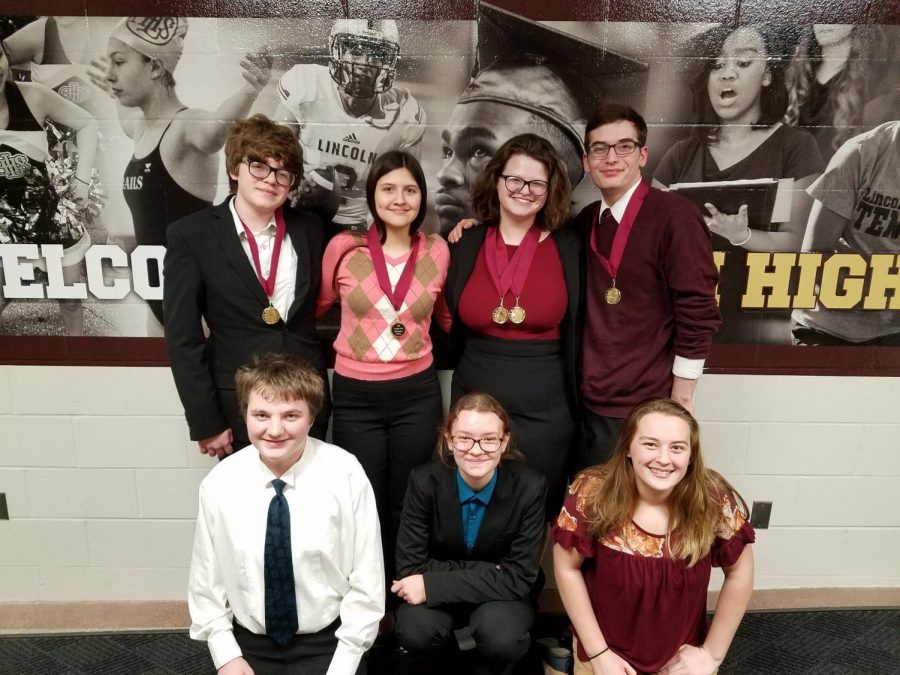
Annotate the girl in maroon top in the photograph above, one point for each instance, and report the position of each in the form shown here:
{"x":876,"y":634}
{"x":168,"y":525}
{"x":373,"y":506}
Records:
{"x":512,"y":293}
{"x":634,"y":546}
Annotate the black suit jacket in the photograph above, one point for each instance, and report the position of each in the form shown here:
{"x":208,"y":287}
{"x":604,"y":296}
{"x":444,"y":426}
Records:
{"x":209,"y":277}
{"x":431,"y":541}
{"x":463,"y":255}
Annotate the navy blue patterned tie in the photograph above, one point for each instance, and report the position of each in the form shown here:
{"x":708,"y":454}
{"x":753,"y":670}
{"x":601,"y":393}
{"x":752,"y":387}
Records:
{"x":281,"y":598}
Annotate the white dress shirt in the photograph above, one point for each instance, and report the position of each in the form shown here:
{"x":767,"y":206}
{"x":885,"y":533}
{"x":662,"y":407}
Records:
{"x":286,"y":277}
{"x":689,"y":369}
{"x":335,"y":542}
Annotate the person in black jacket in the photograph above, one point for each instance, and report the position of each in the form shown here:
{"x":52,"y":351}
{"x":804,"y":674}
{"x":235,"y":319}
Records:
{"x":225,"y":267}
{"x":470,"y":542}
{"x":513,"y":294}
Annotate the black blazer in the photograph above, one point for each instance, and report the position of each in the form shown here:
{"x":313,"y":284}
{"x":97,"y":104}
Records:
{"x":208,"y":276}
{"x":462,"y":261}
{"x":431,"y":541}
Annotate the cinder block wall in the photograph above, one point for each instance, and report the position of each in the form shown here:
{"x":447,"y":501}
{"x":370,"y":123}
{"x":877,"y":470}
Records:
{"x":101,"y":480}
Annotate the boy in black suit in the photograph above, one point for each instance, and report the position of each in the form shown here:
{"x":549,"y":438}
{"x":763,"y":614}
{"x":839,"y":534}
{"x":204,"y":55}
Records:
{"x":250,"y":269}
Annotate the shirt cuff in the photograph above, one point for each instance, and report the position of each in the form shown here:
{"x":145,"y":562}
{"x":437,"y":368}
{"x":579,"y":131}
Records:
{"x":689,"y":369}
{"x":345,"y":661}
{"x":223,"y":648}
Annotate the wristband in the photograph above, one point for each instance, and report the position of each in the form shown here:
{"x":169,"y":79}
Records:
{"x":602,"y":651}
{"x":741,"y":243}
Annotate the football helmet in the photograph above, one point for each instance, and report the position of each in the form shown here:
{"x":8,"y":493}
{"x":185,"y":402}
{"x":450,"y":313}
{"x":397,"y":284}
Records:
{"x":364,"y":55}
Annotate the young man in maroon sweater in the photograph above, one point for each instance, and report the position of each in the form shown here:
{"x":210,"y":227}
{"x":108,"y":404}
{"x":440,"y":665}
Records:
{"x":651,"y":308}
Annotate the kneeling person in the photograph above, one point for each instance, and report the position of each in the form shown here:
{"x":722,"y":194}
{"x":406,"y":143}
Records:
{"x":470,"y":541}
{"x":294,"y":522}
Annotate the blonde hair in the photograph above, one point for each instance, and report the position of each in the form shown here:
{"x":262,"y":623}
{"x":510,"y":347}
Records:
{"x":694,"y":504}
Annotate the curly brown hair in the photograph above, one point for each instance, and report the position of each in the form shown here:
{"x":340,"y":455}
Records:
{"x":556,"y":210}
{"x":258,"y":138}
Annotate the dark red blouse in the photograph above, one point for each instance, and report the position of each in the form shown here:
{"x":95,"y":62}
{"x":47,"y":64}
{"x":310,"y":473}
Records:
{"x":543,"y":298}
{"x":646,"y":603}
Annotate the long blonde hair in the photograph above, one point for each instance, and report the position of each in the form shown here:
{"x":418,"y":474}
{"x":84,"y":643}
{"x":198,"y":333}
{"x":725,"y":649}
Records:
{"x":694,"y":504}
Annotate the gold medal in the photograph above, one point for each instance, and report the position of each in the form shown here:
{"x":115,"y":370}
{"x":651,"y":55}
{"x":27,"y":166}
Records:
{"x":270,"y":315}
{"x":500,"y":315}
{"x":517,"y":313}
{"x":613,"y":296}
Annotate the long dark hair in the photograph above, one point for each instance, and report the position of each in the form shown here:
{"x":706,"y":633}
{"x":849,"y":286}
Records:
{"x":387,"y":162}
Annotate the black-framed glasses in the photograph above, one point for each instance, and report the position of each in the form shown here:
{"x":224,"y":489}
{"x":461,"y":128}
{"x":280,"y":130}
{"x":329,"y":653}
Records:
{"x":515,"y":184}
{"x":488,"y":444}
{"x":261,"y":170}
{"x":622,"y":149}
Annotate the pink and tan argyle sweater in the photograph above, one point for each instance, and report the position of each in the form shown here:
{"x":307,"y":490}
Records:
{"x":365,"y":347}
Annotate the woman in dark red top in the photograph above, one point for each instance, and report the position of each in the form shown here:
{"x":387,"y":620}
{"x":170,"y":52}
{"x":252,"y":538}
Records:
{"x":635,"y":543}
{"x":512,"y":294}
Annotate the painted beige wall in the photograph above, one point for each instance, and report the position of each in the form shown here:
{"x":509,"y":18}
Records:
{"x":101,"y":480}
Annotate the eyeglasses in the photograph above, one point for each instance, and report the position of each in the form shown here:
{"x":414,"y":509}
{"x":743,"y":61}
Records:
{"x":515,"y":184}
{"x":622,"y":148}
{"x":261,"y":170}
{"x":489,"y":445}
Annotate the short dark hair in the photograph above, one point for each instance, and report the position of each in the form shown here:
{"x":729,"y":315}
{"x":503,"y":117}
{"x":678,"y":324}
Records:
{"x":607,"y":113}
{"x":773,"y":100}
{"x":280,"y":377}
{"x":258,"y":138}
{"x":391,"y":161}
{"x":558,"y":207}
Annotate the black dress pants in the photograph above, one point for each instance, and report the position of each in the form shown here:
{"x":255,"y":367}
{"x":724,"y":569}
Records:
{"x":500,"y":630}
{"x":391,"y":427}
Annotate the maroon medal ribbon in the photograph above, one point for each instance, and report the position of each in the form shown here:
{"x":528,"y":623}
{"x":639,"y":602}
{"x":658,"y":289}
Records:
{"x":398,"y":293}
{"x":623,"y":231}
{"x":509,"y":273}
{"x":268,"y":283}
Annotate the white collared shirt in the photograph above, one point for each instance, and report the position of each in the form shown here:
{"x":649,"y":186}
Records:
{"x":286,"y":277}
{"x":618,"y":209}
{"x":689,"y":369}
{"x":335,"y":545}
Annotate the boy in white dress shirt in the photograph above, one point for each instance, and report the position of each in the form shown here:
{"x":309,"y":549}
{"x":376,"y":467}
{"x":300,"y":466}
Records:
{"x":330,"y":536}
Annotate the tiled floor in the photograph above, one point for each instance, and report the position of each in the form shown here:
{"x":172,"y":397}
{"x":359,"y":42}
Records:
{"x":864,"y":642}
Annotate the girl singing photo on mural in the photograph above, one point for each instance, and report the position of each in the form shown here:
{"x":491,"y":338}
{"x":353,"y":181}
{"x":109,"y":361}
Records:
{"x":739,"y":101}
